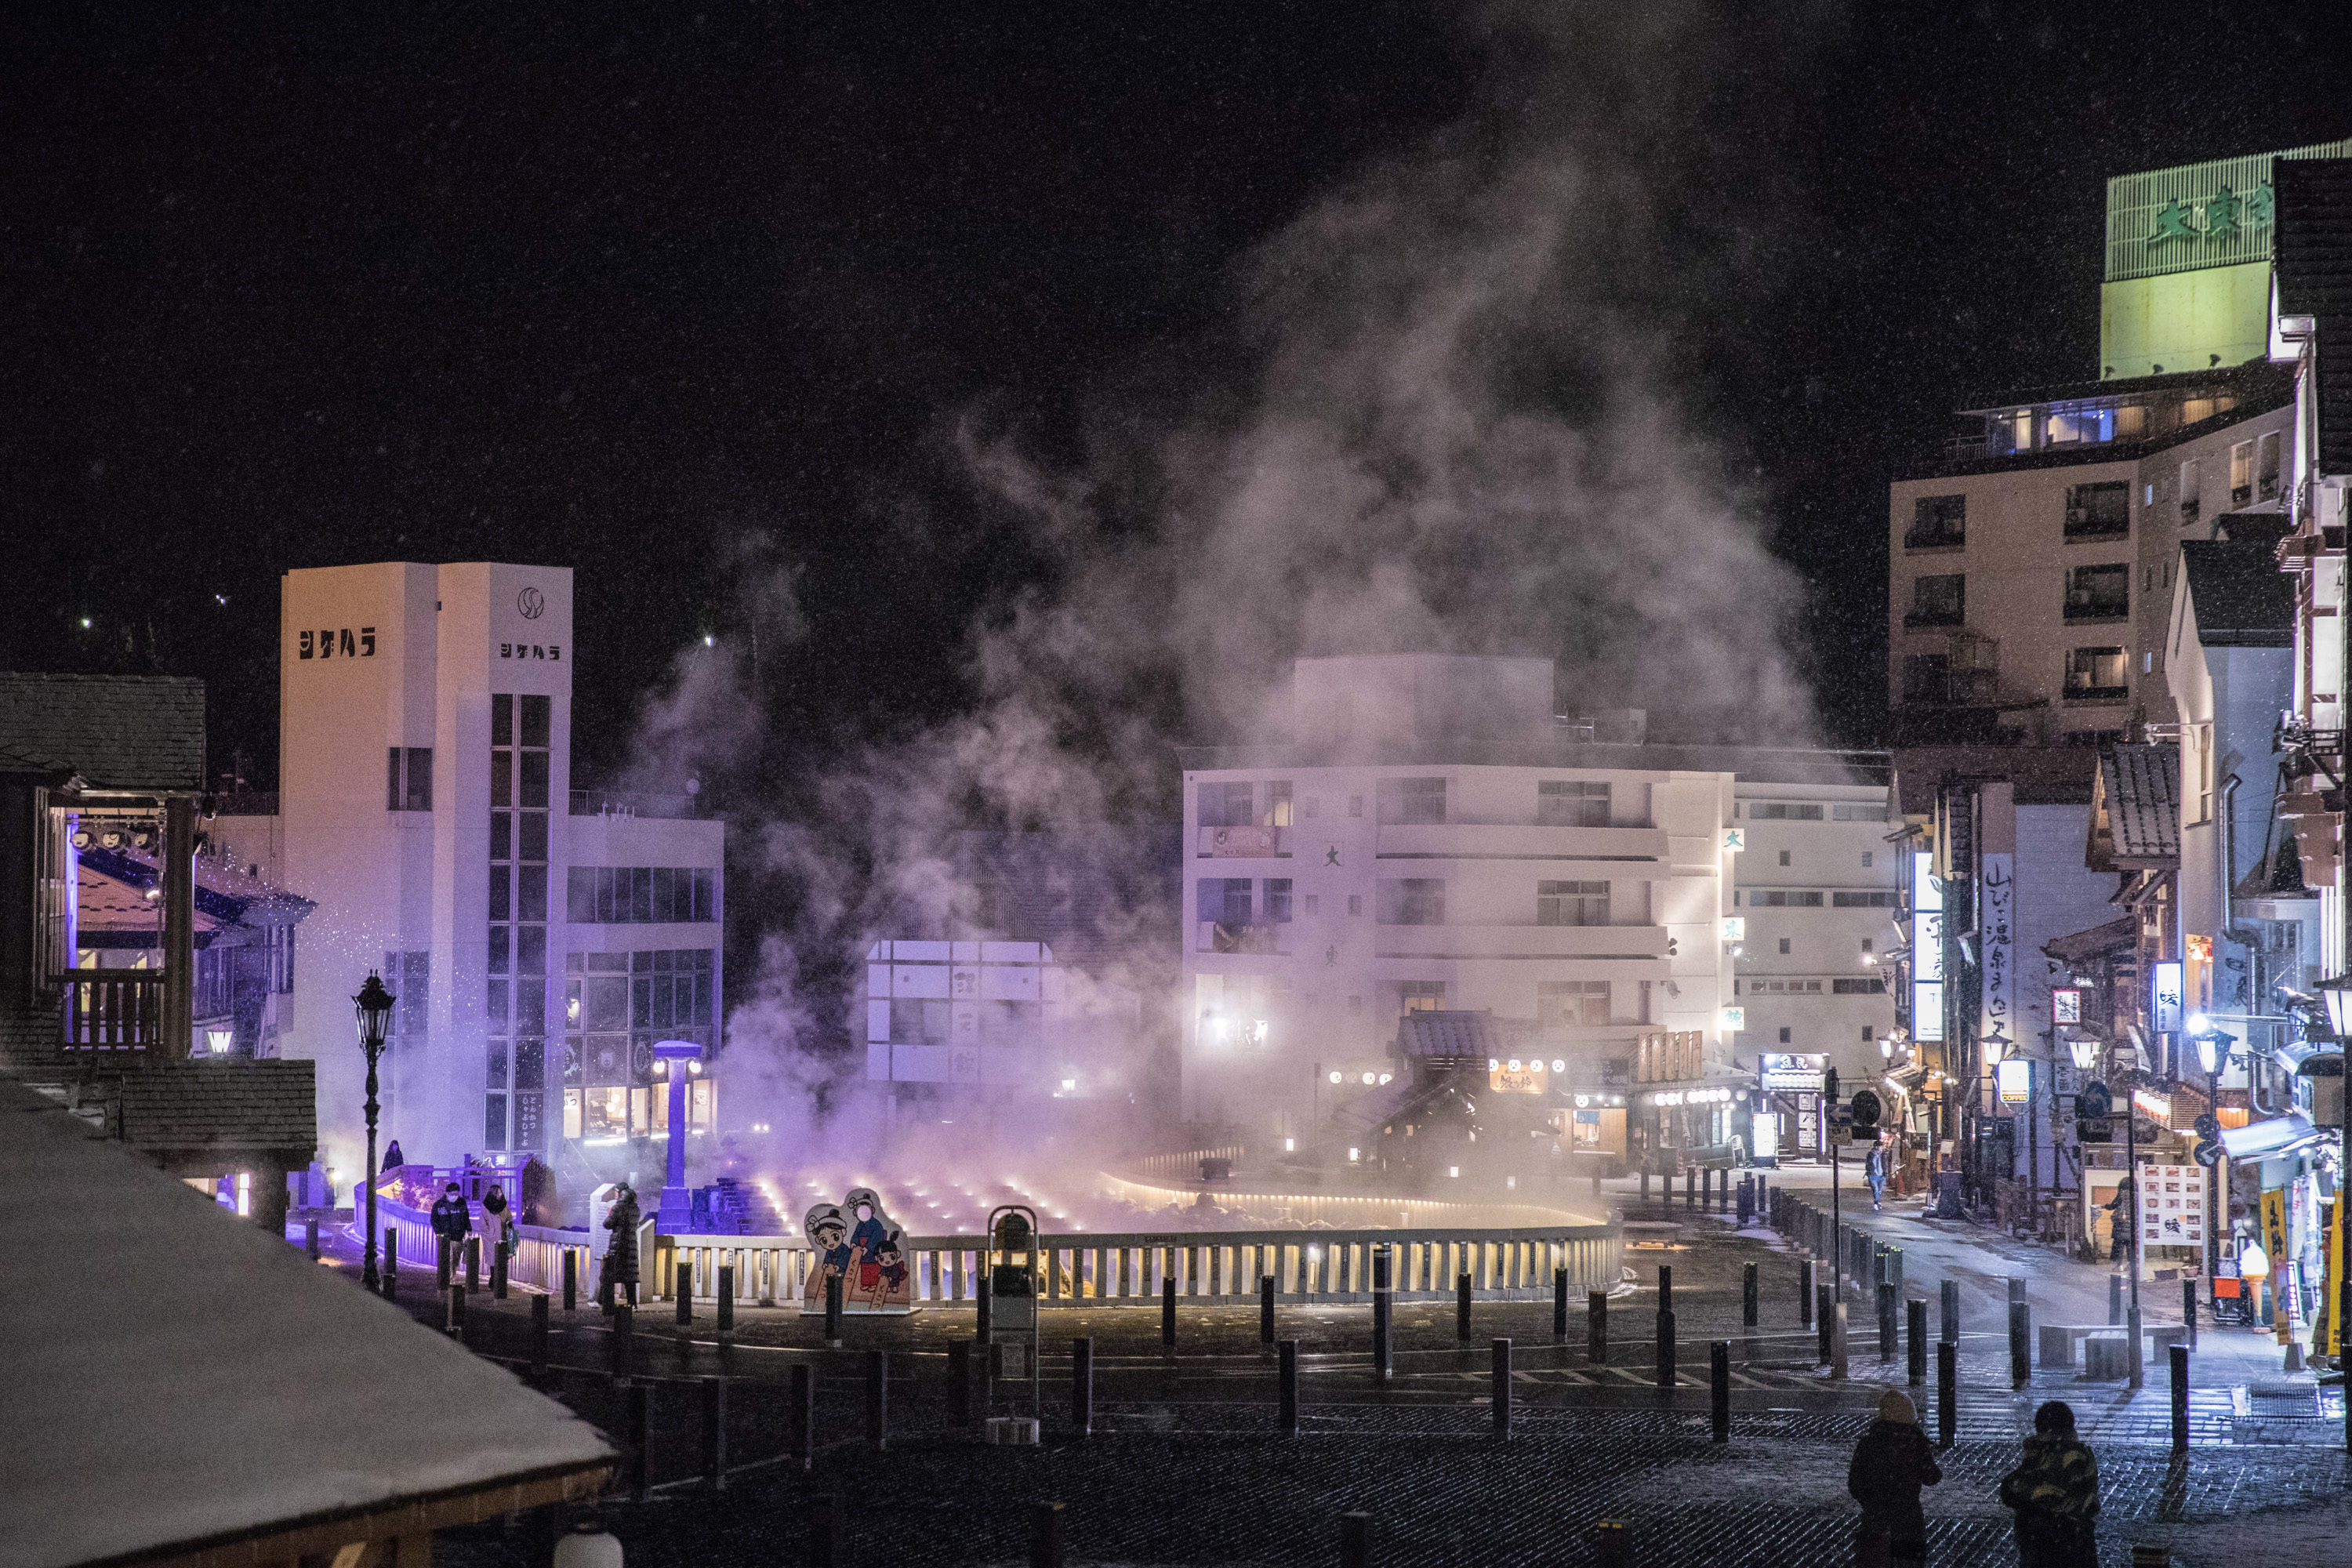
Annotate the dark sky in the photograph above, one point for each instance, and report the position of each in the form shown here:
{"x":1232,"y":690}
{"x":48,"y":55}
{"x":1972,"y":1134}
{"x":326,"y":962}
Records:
{"x":600,"y":285}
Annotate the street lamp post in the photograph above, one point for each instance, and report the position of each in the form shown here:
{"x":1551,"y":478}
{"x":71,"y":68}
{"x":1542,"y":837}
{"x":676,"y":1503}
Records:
{"x":2213,"y":1054}
{"x":373,"y":1008}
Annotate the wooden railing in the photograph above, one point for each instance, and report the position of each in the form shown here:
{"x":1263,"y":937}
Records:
{"x":112,"y":1009}
{"x":1331,"y":1266}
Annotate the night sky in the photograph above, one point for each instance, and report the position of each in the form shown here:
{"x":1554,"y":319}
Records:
{"x":615,"y":286}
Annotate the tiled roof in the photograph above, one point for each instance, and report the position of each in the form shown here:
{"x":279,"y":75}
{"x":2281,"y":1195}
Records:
{"x":118,"y":731}
{"x":2139,"y":789}
{"x":2238,"y":594}
{"x":2313,"y":262}
{"x":1480,"y":1034}
{"x":270,"y":1104}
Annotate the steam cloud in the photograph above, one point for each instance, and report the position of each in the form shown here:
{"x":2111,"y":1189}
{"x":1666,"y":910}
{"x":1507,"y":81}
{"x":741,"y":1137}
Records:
{"x":1462,"y":428}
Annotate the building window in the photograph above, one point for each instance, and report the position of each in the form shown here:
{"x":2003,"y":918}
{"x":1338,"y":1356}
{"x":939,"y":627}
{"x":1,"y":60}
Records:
{"x":1412,"y":901}
{"x":2096,"y":675}
{"x":1859,"y":812}
{"x":1355,"y":904}
{"x":2266,"y":466}
{"x":1784,"y":944}
{"x":2099,"y":511}
{"x":1571,"y":1002}
{"x":1784,"y":1034}
{"x":409,"y":977}
{"x":1277,"y":898}
{"x":516,"y":939}
{"x":1938,"y":523}
{"x":1885,"y":899}
{"x":626,"y":895}
{"x":2098,"y":593}
{"x":1227,"y":805}
{"x":2242,"y":473}
{"x":1567,"y":802}
{"x":1571,"y":903}
{"x":1858,"y":987}
{"x":1277,"y":805}
{"x":2193,"y":485}
{"x":1412,"y":801}
{"x":1421,"y":997}
{"x":1938,"y":601}
{"x":1865,"y":865}
{"x":1784,"y":857}
{"x":1783,"y":898}
{"x":1783,"y":811}
{"x":1226,"y":900}
{"x":1355,"y":805}
{"x":408,"y":778}
{"x":1926,"y":676}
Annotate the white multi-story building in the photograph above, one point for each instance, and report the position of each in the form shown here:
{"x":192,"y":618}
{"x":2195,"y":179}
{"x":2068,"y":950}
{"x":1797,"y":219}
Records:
{"x":1435,"y":839}
{"x":539,"y":937}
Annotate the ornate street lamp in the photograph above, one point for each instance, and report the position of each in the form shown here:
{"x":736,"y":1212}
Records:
{"x":2084,"y":1049}
{"x":2337,"y":993}
{"x":373,"y":1008}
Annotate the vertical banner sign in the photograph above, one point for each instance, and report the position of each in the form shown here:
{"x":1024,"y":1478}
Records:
{"x":2275,"y":1243}
{"x":1996,"y":937}
{"x":2172,"y":1206}
{"x":2066,"y":1005}
{"x":2333,"y":1283}
{"x":2164,"y":996}
{"x":1927,"y":949}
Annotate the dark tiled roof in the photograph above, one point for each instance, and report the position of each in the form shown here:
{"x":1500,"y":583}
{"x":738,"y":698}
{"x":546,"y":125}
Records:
{"x":2139,"y":790}
{"x":118,"y":731}
{"x":1477,"y":1034}
{"x":2041,"y":776}
{"x":2312,"y":259}
{"x":2239,"y":595}
{"x":2079,"y":947}
{"x":242,"y":1104}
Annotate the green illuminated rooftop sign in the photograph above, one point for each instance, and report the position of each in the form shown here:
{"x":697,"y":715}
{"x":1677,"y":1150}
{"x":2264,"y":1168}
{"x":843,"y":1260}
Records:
{"x":2215,"y":214}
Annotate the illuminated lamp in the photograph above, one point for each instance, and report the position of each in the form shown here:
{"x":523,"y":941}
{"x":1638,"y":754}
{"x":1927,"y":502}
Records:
{"x":694,"y":1066}
{"x":217,"y":1041}
{"x":2084,"y":1048}
{"x":1886,"y":1048}
{"x":2014,"y":1078}
{"x":373,"y":1010}
{"x":1454,"y":1169}
{"x":1337,"y":1075}
{"x":1558,"y":1065}
{"x":1372,"y":1078}
{"x":1386,"y":1075}
{"x":1355,"y":1155}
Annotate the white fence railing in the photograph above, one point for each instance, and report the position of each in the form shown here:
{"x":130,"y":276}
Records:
{"x":1308,"y":1265}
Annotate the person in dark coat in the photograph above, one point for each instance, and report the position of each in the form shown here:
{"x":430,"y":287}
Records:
{"x":452,"y":1220}
{"x":1891,"y":1463}
{"x":2055,"y":1492}
{"x":392,"y":1160}
{"x":498,"y":1220}
{"x":620,"y":1253}
{"x":2121,"y":1217}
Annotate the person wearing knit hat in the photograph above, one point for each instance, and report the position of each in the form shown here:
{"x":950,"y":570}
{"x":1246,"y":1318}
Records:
{"x":1891,"y":1464}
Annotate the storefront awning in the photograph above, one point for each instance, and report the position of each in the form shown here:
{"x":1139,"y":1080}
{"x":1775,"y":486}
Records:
{"x":2270,"y":1139}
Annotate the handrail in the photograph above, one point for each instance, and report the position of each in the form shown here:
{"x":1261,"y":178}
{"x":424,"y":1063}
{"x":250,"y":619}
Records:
{"x":111,"y":1009}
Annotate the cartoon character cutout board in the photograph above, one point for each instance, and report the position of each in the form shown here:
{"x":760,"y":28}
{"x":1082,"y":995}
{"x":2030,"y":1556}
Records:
{"x":857,"y":1242}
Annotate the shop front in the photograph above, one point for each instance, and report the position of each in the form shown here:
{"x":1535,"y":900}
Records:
{"x":1789,"y":1123}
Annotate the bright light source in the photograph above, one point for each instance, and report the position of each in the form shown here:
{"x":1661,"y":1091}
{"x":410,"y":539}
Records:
{"x":1069,"y":1083}
{"x":1386,"y":1075}
{"x":1558,"y":1065}
{"x":1372,"y":1078}
{"x":710,"y":641}
{"x":2084,"y":1048}
{"x":1355,"y":1155}
{"x":1259,"y":1031}
{"x":2254,"y":1263}
{"x":1337,"y":1075}
{"x":1290,"y":1145}
{"x":85,"y":623}
{"x":695,"y":1066}
{"x":218,"y":1041}
{"x":2199,"y":1023}
{"x":1515,"y":1064}
{"x":1886,"y":1048}
{"x":1454,"y":1169}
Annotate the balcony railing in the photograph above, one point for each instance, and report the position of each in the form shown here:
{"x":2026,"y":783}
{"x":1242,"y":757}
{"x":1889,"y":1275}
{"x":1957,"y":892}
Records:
{"x":112,"y":1009}
{"x":1255,"y":842}
{"x":1215,"y":936}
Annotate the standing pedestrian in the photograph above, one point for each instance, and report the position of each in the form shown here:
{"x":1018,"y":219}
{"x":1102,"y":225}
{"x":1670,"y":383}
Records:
{"x":2119,"y":1219}
{"x":620,"y":1253}
{"x":1891,"y":1463}
{"x":1873,"y":1171}
{"x":2055,"y":1492}
{"x":452,"y":1220}
{"x":498,"y":1220}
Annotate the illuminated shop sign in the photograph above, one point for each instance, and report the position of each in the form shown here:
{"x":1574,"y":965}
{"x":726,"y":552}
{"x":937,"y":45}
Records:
{"x":1927,"y":949}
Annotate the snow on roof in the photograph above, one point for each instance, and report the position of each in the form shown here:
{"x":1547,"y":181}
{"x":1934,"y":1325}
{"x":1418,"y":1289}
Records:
{"x":190,"y":1378}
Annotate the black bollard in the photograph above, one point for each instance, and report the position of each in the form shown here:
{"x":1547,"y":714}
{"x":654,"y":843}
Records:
{"x":1462,"y":1307}
{"x":1382,"y":1365}
{"x":473,"y":1264}
{"x":457,"y":1320}
{"x":2189,"y":1308}
{"x":571,"y":1280}
{"x":1915,"y":1311}
{"x":1805,"y":1294}
{"x":499,"y":1273}
{"x":1747,"y":1303}
{"x":2180,"y":1359}
{"x":959,"y":1382}
{"x":1947,"y":1392}
{"x":1286,"y":1387}
{"x":1266,"y":1309}
{"x":1559,"y":1306}
{"x":1596,"y":1327}
{"x":1645,"y":1183}
{"x":1167,"y":1314}
{"x":1690,"y":1187}
{"x":641,"y":1441}
{"x":1499,"y":1395}
{"x":981,"y":1310}
{"x":726,"y":1298}
{"x":310,"y":1238}
{"x":623,"y":1331}
{"x":824,"y":1531}
{"x":390,"y":1262}
{"x":1082,"y":1386}
{"x":1948,"y":1328}
{"x":800,"y":1417}
{"x":538,"y":1337}
{"x":1666,"y":1288}
{"x":1887,"y":1315}
{"x":1718,"y":1382}
{"x":1355,"y":1541}
{"x":1665,"y":1350}
{"x":2115,"y":1300}
{"x":1824,"y":1320}
{"x":878,"y":1399}
{"x":685,"y":1292}
{"x":1046,"y":1535}
{"x":2020,"y":1335}
{"x":444,"y":1271}
{"x":714,"y":1433}
{"x":833,"y":1311}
